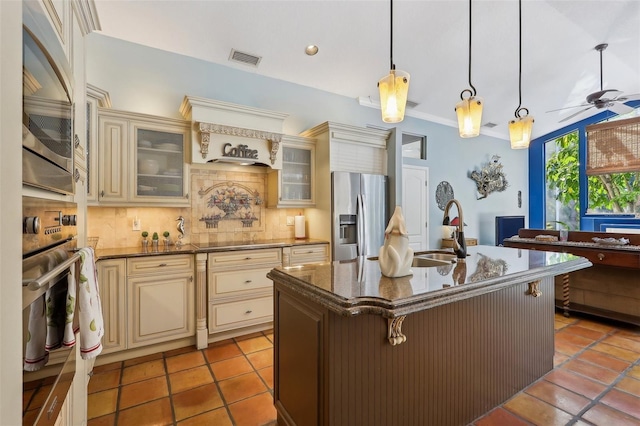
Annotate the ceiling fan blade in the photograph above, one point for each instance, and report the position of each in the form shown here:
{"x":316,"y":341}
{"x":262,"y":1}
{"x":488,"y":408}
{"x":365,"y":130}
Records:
{"x":574,"y":114}
{"x":597,"y":95}
{"x":620,"y":108}
{"x":625,"y":98}
{"x":569,"y":107}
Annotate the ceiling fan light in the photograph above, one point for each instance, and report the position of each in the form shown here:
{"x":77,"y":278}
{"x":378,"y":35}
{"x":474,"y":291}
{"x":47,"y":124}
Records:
{"x":520,"y":132}
{"x":469,"y":112}
{"x":394,"y":88}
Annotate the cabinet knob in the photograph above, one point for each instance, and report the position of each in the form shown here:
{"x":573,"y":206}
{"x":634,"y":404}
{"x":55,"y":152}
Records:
{"x":600,"y":256}
{"x":102,"y":193}
{"x":248,"y":312}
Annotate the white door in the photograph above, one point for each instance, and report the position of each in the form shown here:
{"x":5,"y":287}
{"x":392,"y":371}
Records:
{"x":415,"y":205}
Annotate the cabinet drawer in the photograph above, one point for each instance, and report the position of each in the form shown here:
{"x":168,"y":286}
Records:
{"x":245,"y":258}
{"x":159,"y":264}
{"x":240,"y":314}
{"x":608,"y":257}
{"x":316,"y":253}
{"x":226,"y":284}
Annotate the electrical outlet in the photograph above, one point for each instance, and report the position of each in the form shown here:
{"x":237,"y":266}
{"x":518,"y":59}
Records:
{"x":290,"y":221}
{"x":136,"y":224}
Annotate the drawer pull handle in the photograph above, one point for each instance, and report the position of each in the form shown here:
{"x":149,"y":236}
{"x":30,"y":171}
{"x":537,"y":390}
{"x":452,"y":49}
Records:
{"x":247,"y":258}
{"x":162,"y":264}
{"x":247,"y":282}
{"x":248,"y":312}
{"x":600,"y":256}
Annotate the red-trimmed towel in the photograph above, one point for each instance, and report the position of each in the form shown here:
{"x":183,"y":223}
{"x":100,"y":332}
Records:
{"x":49,"y":321}
{"x":90,"y":318}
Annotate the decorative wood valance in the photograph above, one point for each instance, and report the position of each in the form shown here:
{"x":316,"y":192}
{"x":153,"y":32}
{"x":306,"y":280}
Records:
{"x":613,"y":147}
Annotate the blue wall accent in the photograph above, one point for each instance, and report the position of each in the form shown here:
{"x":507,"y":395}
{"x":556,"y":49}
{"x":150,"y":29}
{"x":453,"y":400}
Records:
{"x":537,"y":172}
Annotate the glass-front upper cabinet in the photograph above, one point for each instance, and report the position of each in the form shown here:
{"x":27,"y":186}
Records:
{"x":294,"y":185}
{"x":142,"y":159}
{"x":160,"y":163}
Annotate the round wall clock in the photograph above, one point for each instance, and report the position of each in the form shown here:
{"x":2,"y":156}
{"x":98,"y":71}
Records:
{"x":444,"y":193}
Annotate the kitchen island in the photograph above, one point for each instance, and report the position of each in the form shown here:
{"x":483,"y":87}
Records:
{"x":440,"y":347}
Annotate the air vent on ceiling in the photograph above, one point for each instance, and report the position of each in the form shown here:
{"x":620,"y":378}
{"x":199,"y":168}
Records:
{"x":489,"y":125}
{"x":411,"y":104}
{"x":244,"y":58}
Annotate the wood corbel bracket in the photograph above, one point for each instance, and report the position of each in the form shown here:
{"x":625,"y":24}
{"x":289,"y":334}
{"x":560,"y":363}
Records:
{"x":533,"y":289}
{"x":394,"y":333}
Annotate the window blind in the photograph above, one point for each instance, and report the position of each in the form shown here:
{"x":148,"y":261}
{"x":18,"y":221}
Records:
{"x":613,"y":147}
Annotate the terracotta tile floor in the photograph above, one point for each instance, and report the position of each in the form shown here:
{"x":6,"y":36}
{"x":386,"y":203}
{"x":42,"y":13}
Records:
{"x":596,"y":381}
{"x":229,"y":383}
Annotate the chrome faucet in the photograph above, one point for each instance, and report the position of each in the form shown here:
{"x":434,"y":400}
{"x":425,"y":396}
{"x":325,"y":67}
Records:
{"x":459,"y":243}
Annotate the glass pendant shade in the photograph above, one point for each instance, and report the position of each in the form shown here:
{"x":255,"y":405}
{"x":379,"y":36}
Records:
{"x":520,"y":132}
{"x":469,"y":112}
{"x":393,"y":95}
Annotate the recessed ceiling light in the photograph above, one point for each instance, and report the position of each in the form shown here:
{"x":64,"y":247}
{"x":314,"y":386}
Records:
{"x":311,"y":49}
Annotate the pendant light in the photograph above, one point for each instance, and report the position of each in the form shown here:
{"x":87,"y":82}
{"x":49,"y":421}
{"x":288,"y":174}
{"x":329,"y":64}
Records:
{"x":469,"y":110}
{"x":520,"y":128}
{"x":393,"y":87}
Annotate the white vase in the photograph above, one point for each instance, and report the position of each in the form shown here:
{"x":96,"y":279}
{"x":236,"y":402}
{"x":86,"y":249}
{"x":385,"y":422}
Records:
{"x":396,"y":256}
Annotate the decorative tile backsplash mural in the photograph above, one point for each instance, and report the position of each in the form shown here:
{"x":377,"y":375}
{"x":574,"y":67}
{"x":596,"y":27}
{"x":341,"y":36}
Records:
{"x":231,"y":201}
{"x":216,"y":195}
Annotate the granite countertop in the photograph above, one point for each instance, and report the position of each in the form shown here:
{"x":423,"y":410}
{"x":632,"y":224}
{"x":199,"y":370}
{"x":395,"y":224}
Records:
{"x":115,"y":253}
{"x":585,"y":244}
{"x":357,"y":286}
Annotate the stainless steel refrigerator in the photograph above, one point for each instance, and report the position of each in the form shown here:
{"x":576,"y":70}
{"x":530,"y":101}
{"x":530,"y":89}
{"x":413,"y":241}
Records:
{"x":358,"y":214}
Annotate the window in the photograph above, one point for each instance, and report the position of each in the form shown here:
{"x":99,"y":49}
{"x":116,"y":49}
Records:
{"x":414,"y":146}
{"x":615,"y":192}
{"x":562,"y":195}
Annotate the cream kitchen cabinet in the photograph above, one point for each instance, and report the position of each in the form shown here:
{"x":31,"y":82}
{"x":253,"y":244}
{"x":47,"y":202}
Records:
{"x":305,"y":254}
{"x":96,"y":97}
{"x":142,"y":159}
{"x":146,"y":300}
{"x":239,"y":293}
{"x":112,"y":276}
{"x":160,"y":299}
{"x":294,"y":185}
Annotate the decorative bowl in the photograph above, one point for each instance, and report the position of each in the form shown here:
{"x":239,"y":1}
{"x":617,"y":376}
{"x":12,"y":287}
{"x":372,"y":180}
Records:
{"x":148,"y":166}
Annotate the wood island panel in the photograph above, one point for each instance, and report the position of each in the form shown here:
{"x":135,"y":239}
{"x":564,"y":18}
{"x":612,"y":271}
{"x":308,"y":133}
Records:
{"x":460,"y":360}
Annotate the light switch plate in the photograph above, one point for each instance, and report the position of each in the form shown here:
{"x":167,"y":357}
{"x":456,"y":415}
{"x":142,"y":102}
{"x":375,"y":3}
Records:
{"x":290,"y":221}
{"x":136,"y":224}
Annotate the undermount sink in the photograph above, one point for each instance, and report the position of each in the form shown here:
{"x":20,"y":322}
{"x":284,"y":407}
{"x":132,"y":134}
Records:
{"x":426,"y":262}
{"x":427,"y":259}
{"x":449,"y":257}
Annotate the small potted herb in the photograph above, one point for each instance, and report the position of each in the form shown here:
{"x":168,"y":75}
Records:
{"x":145,"y":242}
{"x":165,"y":234}
{"x":154,"y":241}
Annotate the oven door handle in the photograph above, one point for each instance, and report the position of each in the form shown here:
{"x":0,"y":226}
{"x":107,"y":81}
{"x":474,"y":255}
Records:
{"x":40,"y":282}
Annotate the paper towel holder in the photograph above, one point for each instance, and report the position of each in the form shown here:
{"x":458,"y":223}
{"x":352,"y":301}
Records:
{"x":299,"y":228}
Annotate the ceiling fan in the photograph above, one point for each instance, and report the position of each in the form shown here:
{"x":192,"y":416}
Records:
{"x":611,"y":99}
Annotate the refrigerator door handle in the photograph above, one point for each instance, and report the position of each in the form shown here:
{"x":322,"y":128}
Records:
{"x":360,"y":222}
{"x":364,"y":225}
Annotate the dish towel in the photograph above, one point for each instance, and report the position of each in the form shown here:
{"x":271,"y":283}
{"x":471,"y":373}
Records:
{"x":48,"y":317}
{"x":90,"y":319}
{"x":36,"y":356}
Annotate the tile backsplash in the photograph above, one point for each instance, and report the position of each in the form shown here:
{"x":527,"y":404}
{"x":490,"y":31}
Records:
{"x":113,"y":225}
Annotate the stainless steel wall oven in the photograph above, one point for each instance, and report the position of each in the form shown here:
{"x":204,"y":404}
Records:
{"x":47,"y":121}
{"x":49,"y":246}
